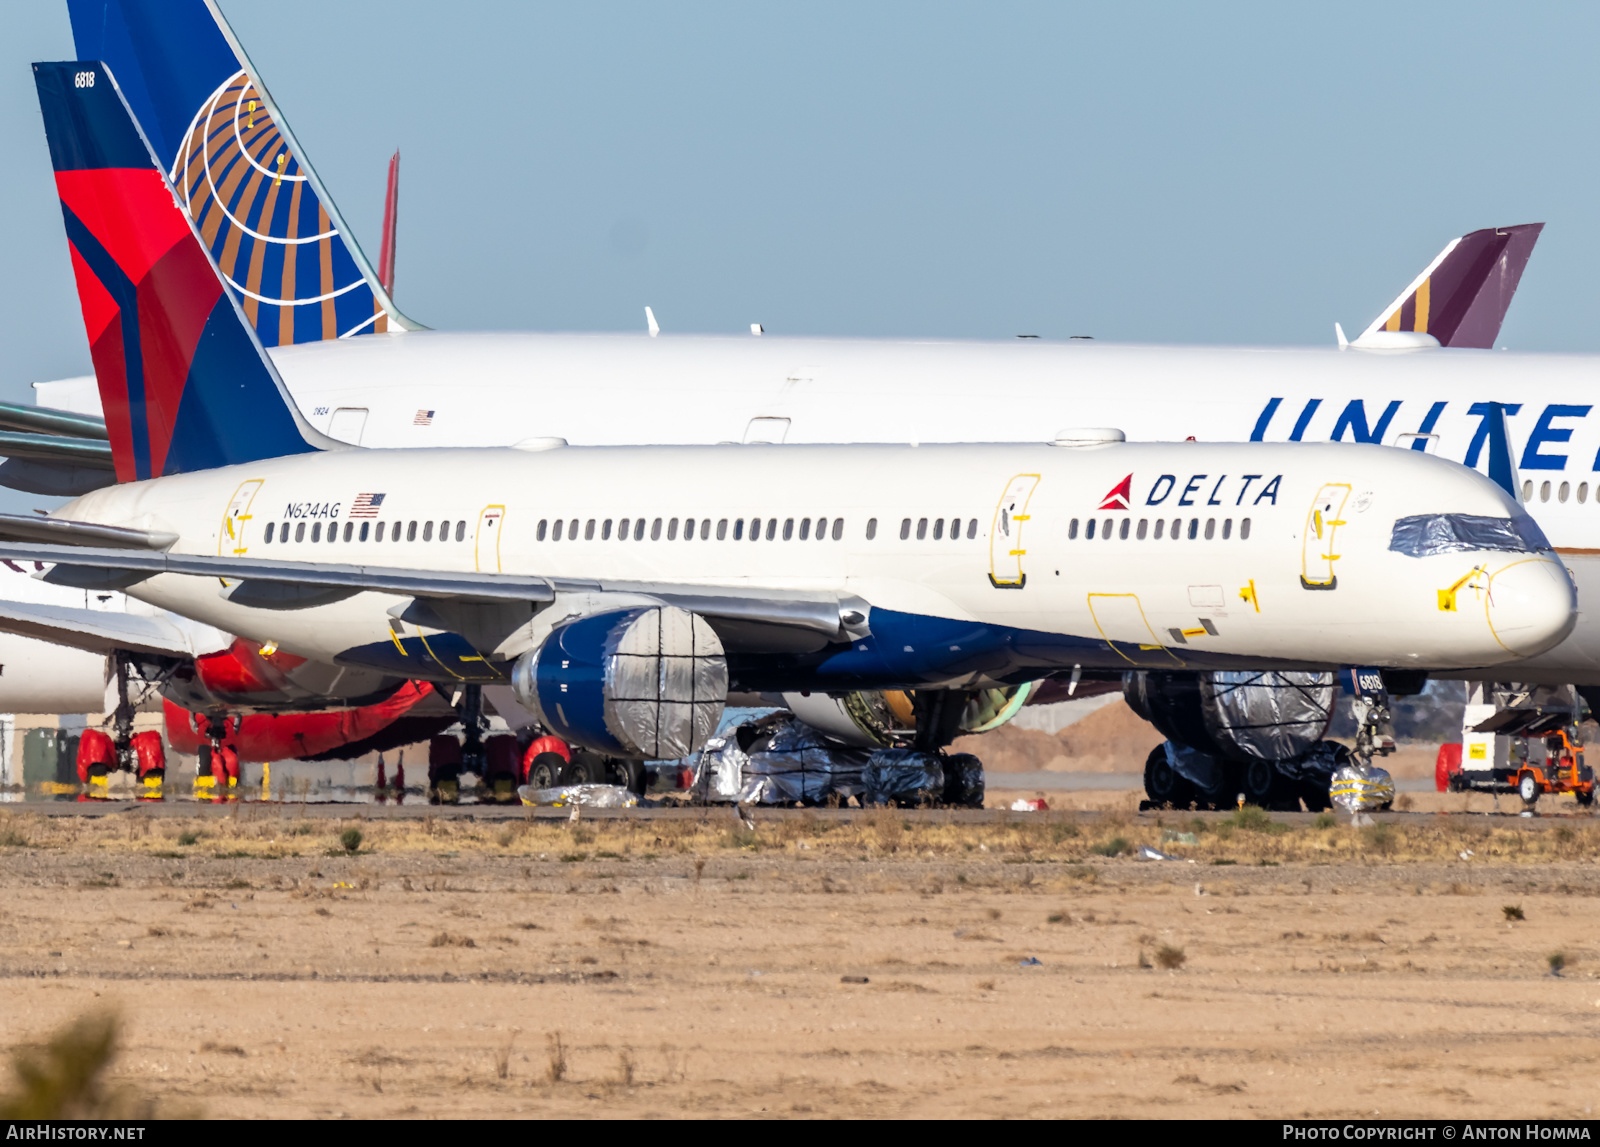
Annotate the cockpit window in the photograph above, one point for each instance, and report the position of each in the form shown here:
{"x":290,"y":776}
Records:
{"x":1423,"y":535}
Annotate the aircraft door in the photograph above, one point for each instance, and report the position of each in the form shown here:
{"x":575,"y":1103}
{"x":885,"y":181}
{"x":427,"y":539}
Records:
{"x":348,"y":424}
{"x":1318,"y":546}
{"x":1121,"y":621}
{"x":233,"y":538}
{"x":766,"y":430}
{"x":1005,"y":535}
{"x":490,"y":521}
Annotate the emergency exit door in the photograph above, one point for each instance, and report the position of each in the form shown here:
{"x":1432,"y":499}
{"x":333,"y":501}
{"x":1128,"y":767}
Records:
{"x":233,"y":539}
{"x":1006,"y":549}
{"x":1319,"y":549}
{"x":487,"y":549}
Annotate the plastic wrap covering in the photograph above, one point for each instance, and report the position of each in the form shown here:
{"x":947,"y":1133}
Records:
{"x":1423,"y":535}
{"x":1357,"y":789}
{"x":1199,"y":768}
{"x":1317,"y":764}
{"x":645,"y":684}
{"x":904,"y":777}
{"x":776,"y":760}
{"x":589,"y":796}
{"x":1268,"y":716}
{"x":963,"y":781}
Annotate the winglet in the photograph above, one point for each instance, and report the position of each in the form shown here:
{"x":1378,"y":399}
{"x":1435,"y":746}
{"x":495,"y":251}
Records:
{"x":650,"y":322}
{"x":1338,"y":332}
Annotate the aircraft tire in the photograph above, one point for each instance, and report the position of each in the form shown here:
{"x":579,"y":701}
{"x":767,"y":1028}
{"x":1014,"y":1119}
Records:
{"x":1163,"y":785}
{"x":544,"y":772}
{"x":585,"y":768}
{"x":1260,"y":782}
{"x":963,"y":781}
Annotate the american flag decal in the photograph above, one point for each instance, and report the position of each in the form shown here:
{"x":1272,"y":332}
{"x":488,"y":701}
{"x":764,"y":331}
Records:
{"x":423,"y":418}
{"x":366,"y":506}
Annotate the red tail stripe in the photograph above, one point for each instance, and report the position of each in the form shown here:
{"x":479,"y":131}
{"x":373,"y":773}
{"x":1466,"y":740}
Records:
{"x":130,"y":211}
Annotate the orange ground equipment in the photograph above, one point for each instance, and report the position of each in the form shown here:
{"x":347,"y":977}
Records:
{"x":1559,"y":769}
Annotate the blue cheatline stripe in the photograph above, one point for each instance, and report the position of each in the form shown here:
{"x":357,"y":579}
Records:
{"x":126,"y":294}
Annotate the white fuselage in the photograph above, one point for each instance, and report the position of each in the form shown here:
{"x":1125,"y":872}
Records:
{"x":1282,"y":554}
{"x":482,"y":389}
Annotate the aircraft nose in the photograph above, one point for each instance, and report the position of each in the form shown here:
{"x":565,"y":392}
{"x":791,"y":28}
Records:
{"x":1531,"y":605}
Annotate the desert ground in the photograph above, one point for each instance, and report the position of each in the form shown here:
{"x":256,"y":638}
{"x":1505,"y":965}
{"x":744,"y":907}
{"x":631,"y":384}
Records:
{"x":818,"y":964}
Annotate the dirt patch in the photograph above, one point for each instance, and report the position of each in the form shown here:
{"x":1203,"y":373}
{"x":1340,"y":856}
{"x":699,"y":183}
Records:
{"x":1325,"y":972}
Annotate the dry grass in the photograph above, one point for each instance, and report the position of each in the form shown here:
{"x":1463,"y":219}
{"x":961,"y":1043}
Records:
{"x":1086,"y":841}
{"x":64,"y":1077}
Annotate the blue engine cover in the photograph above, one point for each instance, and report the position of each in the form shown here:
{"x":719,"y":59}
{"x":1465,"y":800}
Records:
{"x":647,"y":683}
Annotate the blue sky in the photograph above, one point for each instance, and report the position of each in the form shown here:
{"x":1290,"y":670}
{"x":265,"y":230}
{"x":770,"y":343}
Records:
{"x":1165,"y":173}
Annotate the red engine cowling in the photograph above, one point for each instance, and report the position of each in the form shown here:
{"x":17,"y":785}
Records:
{"x":249,"y":677}
{"x":287,"y":736}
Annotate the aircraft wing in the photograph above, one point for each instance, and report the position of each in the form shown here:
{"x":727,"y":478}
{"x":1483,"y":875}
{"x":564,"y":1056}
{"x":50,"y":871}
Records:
{"x":100,"y":631}
{"x":299,"y":585}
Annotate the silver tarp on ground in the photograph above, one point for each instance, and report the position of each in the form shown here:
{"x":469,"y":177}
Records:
{"x":776,"y":760}
{"x":590,"y":796}
{"x":904,"y":777}
{"x":1423,"y":535}
{"x":1357,"y":789}
{"x":1269,"y":716}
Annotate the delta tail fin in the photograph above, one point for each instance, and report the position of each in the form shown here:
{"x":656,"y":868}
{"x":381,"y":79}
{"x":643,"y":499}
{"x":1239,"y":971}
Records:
{"x":288,"y":257}
{"x":1461,"y":298}
{"x":184,"y":382}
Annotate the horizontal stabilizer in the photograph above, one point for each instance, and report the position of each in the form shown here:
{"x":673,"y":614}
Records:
{"x":1461,"y":298}
{"x":53,"y":478}
{"x":60,"y":531}
{"x":57,"y":448}
{"x":43,"y":420}
{"x":102,"y":631}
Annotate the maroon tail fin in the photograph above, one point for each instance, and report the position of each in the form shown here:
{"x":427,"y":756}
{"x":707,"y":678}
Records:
{"x":1462,"y":297}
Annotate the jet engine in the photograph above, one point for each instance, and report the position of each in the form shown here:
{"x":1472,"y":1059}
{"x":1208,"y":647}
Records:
{"x":1233,"y":714}
{"x":647,"y":683}
{"x":881,"y":719}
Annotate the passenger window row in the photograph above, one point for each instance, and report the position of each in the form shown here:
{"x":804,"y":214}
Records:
{"x":657,"y":528}
{"x":1563,"y":492}
{"x":352,"y":533}
{"x":938,"y":529}
{"x":1108,"y":526}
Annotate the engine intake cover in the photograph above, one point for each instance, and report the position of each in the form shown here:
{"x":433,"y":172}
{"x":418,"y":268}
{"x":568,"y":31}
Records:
{"x":646,"y":684}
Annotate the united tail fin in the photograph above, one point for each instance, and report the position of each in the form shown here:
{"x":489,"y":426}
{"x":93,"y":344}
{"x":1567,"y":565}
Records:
{"x":271,"y":226}
{"x":1461,"y":298}
{"x":184,"y":382}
